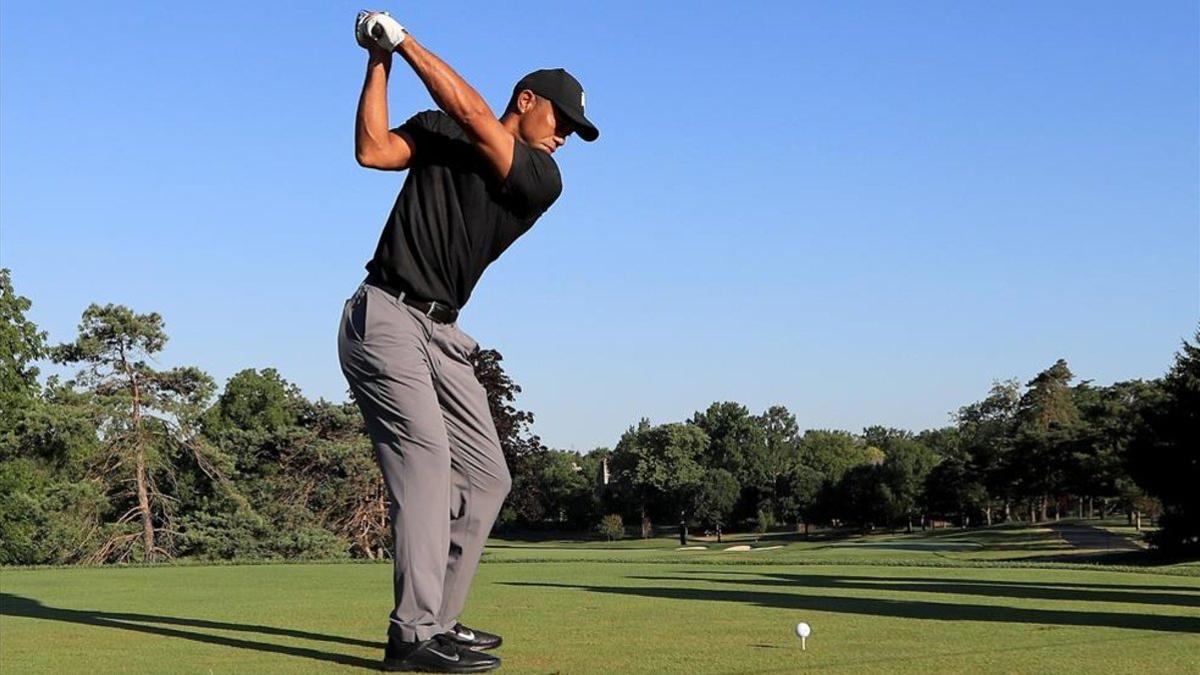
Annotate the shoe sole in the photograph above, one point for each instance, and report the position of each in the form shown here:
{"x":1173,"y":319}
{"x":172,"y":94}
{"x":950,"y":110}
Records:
{"x":401,"y":667}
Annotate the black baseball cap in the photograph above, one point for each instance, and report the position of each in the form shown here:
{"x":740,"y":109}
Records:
{"x":565,"y":92}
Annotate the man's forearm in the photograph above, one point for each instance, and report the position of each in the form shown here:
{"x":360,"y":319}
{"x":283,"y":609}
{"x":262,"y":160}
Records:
{"x":371,"y":121}
{"x":448,"y":89}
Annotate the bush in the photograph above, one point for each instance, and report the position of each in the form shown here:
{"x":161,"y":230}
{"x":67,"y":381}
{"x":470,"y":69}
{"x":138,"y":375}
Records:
{"x":611,"y":526}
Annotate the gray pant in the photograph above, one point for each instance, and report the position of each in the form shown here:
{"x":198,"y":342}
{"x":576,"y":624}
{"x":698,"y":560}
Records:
{"x":436,"y":444}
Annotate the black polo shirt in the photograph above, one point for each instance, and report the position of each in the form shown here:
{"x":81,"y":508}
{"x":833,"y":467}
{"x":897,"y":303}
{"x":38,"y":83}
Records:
{"x":453,"y":217}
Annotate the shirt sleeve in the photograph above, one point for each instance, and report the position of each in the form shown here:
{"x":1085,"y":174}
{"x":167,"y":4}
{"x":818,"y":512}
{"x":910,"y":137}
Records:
{"x":428,"y":134}
{"x":533,"y":181}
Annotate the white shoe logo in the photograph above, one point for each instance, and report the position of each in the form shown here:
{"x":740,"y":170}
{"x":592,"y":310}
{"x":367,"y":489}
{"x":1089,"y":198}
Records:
{"x":444,"y":656}
{"x":466,"y":634}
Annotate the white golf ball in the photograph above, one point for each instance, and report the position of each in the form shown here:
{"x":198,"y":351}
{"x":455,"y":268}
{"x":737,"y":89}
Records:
{"x":803,"y":630}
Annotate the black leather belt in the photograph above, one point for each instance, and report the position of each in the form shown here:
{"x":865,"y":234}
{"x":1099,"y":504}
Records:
{"x":434,"y":310}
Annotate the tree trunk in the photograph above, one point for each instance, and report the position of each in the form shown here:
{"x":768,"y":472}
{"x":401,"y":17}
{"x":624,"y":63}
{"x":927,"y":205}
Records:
{"x":143,"y":490}
{"x":143,"y":495}
{"x":987,"y":512}
{"x":1042,"y":509}
{"x":1137,"y":520}
{"x":1007,"y":511}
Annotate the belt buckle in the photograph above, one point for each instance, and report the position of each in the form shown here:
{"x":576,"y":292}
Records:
{"x":432,"y":306}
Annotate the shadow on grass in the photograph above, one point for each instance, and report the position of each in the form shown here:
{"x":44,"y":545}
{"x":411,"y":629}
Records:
{"x":1016,"y":590}
{"x":906,"y":609}
{"x":1138,"y":558}
{"x":1088,"y":537}
{"x":1194,"y":590}
{"x":16,"y":605}
{"x":904,"y":546}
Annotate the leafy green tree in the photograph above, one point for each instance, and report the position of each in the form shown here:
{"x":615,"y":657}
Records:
{"x":1164,"y":455}
{"x":659,"y":467}
{"x":1048,"y":424}
{"x":715,"y":497}
{"x":146,"y":419}
{"x":21,"y":344}
{"x":797,"y":494}
{"x":985,"y":433}
{"x":1109,"y":419}
{"x":944,"y":441}
{"x":522,"y":448}
{"x":50,"y":513}
{"x":863,"y":498}
{"x":905,"y":467}
{"x":738,"y":444}
{"x":567,"y":487}
{"x":952,"y":491}
{"x":831,"y":453}
{"x":782,"y":437}
{"x":307,"y":485}
{"x":253,"y":401}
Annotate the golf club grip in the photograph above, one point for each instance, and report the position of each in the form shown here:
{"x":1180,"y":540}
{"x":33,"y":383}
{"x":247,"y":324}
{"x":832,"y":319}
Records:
{"x":377,"y":30}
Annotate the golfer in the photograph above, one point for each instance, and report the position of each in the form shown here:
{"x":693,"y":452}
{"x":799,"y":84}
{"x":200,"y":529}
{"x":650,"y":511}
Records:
{"x":475,"y":184}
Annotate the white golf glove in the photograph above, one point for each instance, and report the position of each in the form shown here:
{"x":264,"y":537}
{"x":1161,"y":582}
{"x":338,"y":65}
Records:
{"x":378,"y":30}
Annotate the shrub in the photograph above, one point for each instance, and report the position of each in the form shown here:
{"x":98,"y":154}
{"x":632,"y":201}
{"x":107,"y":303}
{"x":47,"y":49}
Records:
{"x":611,"y":526}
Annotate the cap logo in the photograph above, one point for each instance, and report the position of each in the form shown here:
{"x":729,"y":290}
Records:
{"x":582,"y":100}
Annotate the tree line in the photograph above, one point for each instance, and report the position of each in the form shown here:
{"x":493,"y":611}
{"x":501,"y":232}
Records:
{"x":128,"y":462}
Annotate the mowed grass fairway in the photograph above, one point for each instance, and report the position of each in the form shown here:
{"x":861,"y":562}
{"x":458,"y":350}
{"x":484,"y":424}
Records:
{"x":982,"y":601}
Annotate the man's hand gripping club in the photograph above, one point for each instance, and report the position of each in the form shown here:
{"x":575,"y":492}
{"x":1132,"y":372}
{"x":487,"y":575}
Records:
{"x":378,"y":30}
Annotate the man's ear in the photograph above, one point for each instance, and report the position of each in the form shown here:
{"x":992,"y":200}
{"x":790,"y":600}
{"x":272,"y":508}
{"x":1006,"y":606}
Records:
{"x":526,"y":101}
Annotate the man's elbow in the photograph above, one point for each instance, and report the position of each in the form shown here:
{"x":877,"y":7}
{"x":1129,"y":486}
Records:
{"x":367,"y":158}
{"x":394,"y":154}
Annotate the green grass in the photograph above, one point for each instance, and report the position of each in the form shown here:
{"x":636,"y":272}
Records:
{"x":946,"y":601}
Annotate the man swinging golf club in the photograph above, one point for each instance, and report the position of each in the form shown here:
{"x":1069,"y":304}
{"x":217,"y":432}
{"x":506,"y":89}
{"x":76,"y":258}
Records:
{"x":475,"y":184}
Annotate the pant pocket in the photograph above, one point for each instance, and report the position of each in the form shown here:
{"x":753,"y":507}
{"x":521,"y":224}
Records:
{"x":466,"y":343}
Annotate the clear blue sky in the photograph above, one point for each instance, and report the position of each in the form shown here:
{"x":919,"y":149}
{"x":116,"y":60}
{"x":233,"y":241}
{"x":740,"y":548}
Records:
{"x":863,"y":211}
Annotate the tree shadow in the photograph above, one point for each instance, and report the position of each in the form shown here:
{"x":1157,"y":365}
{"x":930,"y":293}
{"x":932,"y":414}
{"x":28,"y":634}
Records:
{"x":1088,"y":537}
{"x":906,"y":609}
{"x":1056,"y":584}
{"x":1017,"y":590}
{"x":16,"y":605}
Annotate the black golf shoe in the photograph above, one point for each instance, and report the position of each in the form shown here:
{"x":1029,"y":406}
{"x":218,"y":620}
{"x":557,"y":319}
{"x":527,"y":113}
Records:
{"x":439,"y":654}
{"x":473,"y":638}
